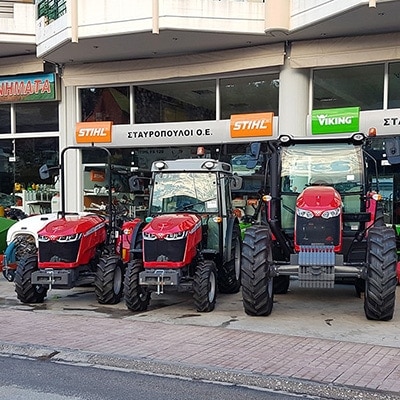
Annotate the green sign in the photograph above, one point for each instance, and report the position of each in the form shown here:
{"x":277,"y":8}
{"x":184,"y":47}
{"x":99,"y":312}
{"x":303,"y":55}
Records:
{"x":335,"y":120}
{"x":23,"y":88}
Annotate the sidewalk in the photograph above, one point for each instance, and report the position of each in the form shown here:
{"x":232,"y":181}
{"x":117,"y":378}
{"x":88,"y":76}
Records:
{"x":335,"y":369}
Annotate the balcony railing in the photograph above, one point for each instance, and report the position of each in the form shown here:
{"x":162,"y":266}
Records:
{"x":52,"y":9}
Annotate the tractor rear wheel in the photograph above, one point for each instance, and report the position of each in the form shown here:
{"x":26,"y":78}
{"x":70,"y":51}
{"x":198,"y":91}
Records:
{"x":205,"y":286}
{"x":257,"y":282}
{"x":229,"y":274}
{"x":137,"y":297}
{"x":109,"y":281}
{"x":26,"y":292}
{"x":380,"y":285}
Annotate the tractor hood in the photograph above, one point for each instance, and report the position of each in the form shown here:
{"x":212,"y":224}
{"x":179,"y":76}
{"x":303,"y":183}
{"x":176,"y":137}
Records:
{"x":164,"y":225}
{"x":319,"y":198}
{"x":73,"y":224}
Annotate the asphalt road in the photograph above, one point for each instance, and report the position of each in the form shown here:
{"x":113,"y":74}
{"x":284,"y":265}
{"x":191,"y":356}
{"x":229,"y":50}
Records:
{"x":27,"y":379}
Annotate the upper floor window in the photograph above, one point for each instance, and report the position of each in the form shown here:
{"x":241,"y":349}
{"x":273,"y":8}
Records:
{"x":105,"y":104}
{"x":5,"y":118}
{"x":360,"y":86}
{"x":249,"y":94}
{"x":175,"y":102}
{"x":394,"y":85}
{"x":36,"y":117}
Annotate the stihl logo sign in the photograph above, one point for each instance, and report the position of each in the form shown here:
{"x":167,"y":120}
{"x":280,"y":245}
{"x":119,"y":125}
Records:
{"x":93,"y":132}
{"x":245,"y":125}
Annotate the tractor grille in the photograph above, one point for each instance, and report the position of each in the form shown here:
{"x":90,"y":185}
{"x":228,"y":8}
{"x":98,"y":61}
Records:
{"x":318,"y":231}
{"x":53,"y":251}
{"x":164,"y":250}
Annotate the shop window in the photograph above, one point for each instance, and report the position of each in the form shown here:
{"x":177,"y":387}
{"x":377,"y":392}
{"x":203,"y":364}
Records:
{"x":36,"y":117}
{"x":249,"y":94}
{"x":394,"y":85}
{"x":175,"y":102}
{"x":360,"y":86}
{"x":105,"y":104}
{"x":5,"y":118}
{"x":29,"y":155}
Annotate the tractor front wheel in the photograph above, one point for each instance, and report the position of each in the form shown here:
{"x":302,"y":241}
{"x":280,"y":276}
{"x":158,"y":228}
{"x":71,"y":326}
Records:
{"x":257,"y":282}
{"x":380,"y":285}
{"x":229,"y":275}
{"x":109,"y":280}
{"x":26,"y":292}
{"x":137,"y":297}
{"x":205,"y":286}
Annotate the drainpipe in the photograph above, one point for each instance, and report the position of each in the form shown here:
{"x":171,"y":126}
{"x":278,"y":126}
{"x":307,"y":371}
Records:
{"x":372,"y":4}
{"x":74,"y":21}
{"x":156,"y":17}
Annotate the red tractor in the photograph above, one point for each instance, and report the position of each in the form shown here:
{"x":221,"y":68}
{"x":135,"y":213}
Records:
{"x":76,"y":249}
{"x":191,"y":240}
{"x":322,"y":222}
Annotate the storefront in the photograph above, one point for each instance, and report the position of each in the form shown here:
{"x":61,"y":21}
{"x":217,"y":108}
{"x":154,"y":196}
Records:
{"x":29,"y":131}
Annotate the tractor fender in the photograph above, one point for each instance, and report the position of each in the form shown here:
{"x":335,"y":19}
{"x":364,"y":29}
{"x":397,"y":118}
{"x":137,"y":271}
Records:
{"x":231,"y":223}
{"x":9,"y":254}
{"x":136,"y":241}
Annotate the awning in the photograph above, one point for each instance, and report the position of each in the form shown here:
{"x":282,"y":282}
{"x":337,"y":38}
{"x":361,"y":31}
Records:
{"x":345,"y":50}
{"x":146,"y":70}
{"x":20,"y":65}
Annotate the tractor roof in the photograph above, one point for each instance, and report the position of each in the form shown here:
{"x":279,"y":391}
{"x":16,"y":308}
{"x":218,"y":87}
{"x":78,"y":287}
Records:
{"x":191,"y":164}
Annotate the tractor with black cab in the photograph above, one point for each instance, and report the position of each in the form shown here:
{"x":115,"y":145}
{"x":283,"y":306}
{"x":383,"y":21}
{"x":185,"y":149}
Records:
{"x":322,"y":222}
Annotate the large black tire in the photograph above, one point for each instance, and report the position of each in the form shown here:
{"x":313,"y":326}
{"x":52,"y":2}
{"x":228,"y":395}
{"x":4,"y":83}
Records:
{"x":380,"y":285}
{"x":24,"y":245}
{"x":21,"y":246}
{"x":229,"y":273}
{"x":281,"y":284}
{"x":26,"y":292}
{"x":109,"y":281}
{"x":257,"y":282}
{"x":137,"y":297}
{"x":205,"y":286}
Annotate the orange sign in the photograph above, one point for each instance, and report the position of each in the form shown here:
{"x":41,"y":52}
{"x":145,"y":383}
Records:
{"x":93,"y":132}
{"x":257,"y":124}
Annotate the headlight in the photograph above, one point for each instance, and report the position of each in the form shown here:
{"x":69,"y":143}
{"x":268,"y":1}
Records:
{"x":42,"y":238}
{"x":149,"y":236}
{"x":176,"y":236}
{"x":331,"y":213}
{"x":69,"y":238}
{"x":304,"y":213}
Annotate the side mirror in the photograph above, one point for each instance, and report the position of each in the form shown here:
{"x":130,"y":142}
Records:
{"x":134,"y":184}
{"x":254,"y":152}
{"x":392,"y":146}
{"x":44,"y":172}
{"x":236,"y":182}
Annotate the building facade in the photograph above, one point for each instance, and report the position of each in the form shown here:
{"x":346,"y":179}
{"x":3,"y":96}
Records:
{"x":173,"y":75}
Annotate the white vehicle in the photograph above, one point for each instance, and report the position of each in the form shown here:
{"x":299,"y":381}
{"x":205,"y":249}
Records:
{"x":29,"y":227}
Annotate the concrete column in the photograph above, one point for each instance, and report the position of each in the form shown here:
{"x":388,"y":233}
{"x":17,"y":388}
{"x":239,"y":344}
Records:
{"x":294,"y":84}
{"x":72,"y":158}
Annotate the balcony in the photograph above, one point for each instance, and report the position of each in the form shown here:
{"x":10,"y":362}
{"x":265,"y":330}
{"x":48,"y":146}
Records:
{"x":96,"y":30}
{"x":73,"y":31}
